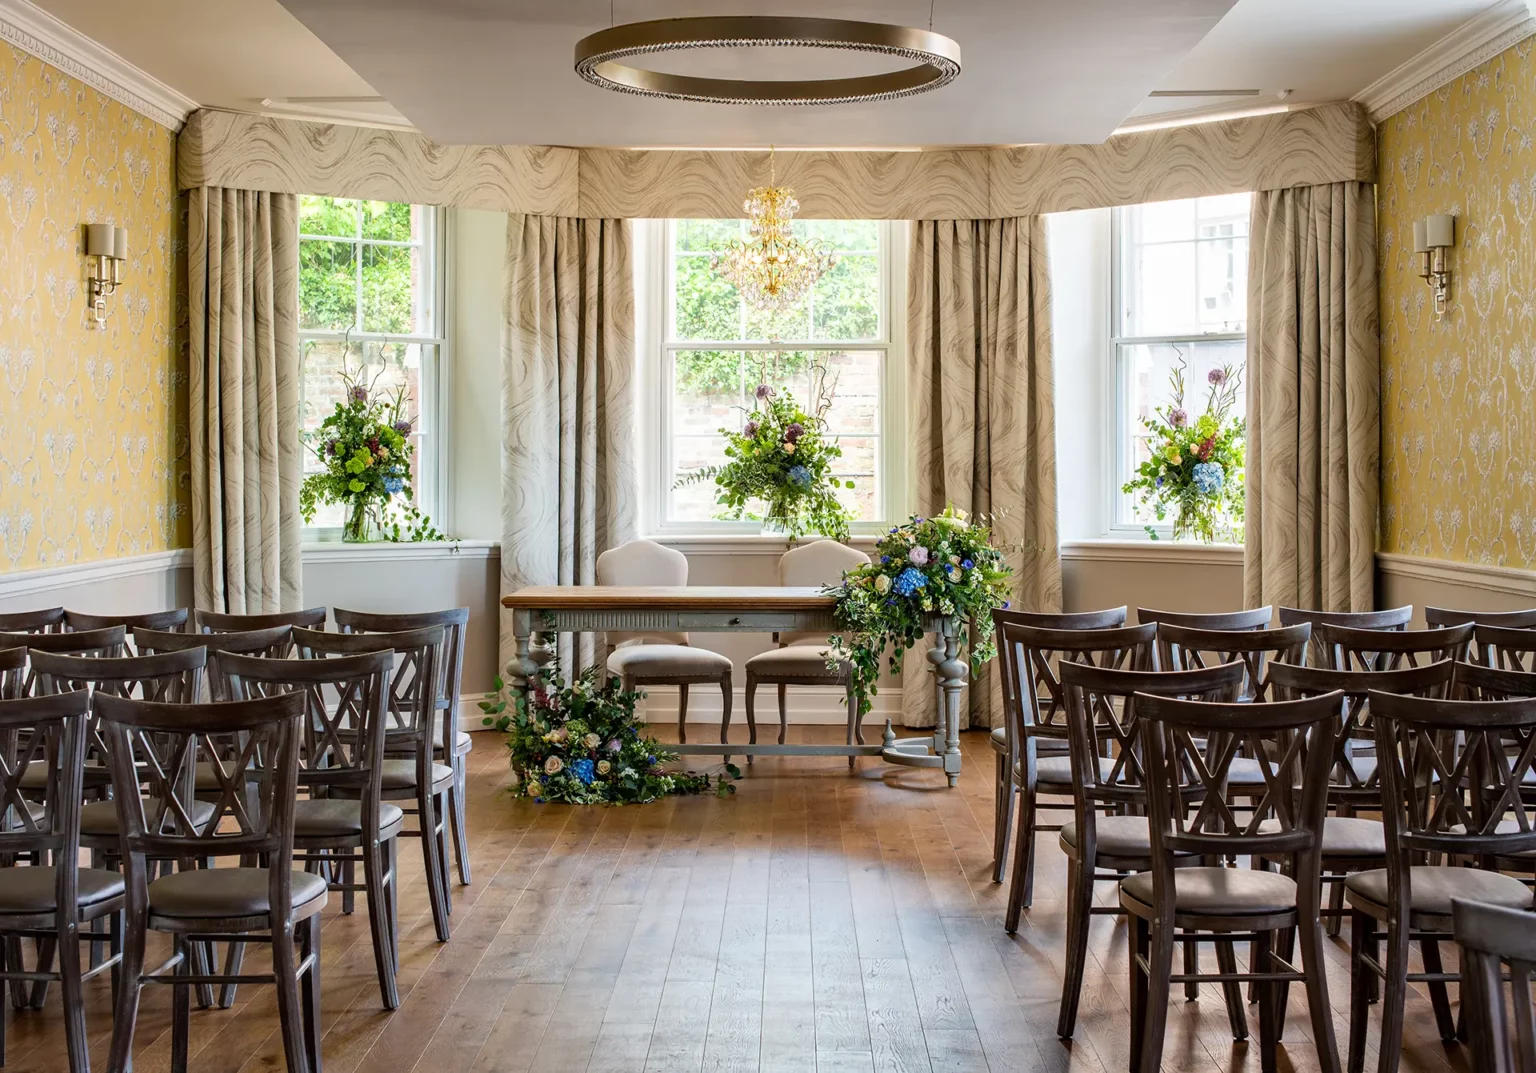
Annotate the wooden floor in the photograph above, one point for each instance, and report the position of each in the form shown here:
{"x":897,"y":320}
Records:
{"x":820,"y":919}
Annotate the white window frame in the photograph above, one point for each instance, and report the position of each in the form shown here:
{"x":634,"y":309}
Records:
{"x":1121,"y":444}
{"x":433,"y":408}
{"x":654,"y":297}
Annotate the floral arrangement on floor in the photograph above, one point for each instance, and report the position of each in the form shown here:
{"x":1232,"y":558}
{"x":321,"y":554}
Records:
{"x":1195,"y":471}
{"x":782,"y":459}
{"x":580,"y":743}
{"x":946,"y":564}
{"x":366,"y":449}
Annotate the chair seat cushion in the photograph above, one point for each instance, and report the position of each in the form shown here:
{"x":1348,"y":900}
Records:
{"x":338,"y":817}
{"x":1346,"y":836}
{"x":1219,"y":891}
{"x":210,"y":893}
{"x":655,"y":661}
{"x":26,"y":889}
{"x":463,"y":742}
{"x":800,"y":660}
{"x":1115,"y":836}
{"x":99,"y":818}
{"x":1431,"y":888}
{"x":401,"y":774}
{"x":1043,"y":746}
{"x":35,"y":778}
{"x":1057,"y":771}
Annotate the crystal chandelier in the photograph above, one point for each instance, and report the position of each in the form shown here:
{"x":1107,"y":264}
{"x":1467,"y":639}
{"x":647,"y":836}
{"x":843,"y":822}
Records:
{"x":773,"y":269}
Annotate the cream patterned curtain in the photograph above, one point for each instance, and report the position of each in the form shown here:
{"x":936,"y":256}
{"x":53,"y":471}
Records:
{"x":243,"y":305}
{"x":568,"y":473}
{"x":1313,"y":399}
{"x":981,"y":402}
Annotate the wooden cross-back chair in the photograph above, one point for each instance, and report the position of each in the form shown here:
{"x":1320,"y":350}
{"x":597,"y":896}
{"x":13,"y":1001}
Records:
{"x":175,"y":619}
{"x":1005,"y":746}
{"x":1186,"y":648}
{"x":1352,"y":843}
{"x":43,"y":620}
{"x":411,"y":772}
{"x":1490,"y":938}
{"x":312,"y":618}
{"x":13,"y":672}
{"x":49,"y":902}
{"x":253,"y":819}
{"x":107,"y":642}
{"x":1036,"y":713}
{"x":1390,"y":650}
{"x":1395,"y":618}
{"x":1256,"y":618}
{"x":1505,"y":647}
{"x":1188,"y":748}
{"x":1438,"y":617}
{"x":273,"y":642}
{"x":1452,"y":773}
{"x":1103,"y":733}
{"x":341,"y":769}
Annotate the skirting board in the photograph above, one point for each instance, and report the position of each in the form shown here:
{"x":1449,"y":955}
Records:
{"x":807,"y":705}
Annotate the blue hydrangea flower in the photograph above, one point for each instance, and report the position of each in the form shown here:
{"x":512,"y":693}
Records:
{"x":392,"y":485}
{"x":799,"y":476}
{"x":967,"y":565}
{"x":584,"y":770}
{"x":909,"y":581}
{"x":1208,"y":478}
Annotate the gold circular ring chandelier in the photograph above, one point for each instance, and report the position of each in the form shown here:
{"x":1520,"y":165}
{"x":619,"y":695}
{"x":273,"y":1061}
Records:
{"x":935,"y":59}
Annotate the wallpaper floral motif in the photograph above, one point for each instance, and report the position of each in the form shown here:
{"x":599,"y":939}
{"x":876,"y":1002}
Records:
{"x":93,"y":423}
{"x":1458,"y":421}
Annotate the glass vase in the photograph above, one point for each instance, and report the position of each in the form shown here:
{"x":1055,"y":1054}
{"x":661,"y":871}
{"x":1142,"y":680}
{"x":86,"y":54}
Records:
{"x":360,"y":527}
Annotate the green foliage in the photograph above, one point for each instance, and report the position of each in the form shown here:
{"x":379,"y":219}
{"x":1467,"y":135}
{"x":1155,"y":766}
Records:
{"x":581,"y":744}
{"x":366,"y":449}
{"x":1195,"y":471}
{"x":946,"y":565}
{"x":781,"y":460}
{"x":328,"y":270}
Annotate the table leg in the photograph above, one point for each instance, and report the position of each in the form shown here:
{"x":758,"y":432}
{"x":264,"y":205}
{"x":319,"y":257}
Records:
{"x":523,"y":666}
{"x":951,"y":672}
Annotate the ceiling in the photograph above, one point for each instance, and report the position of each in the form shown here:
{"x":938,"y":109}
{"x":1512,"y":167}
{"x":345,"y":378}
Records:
{"x":500,"y":70}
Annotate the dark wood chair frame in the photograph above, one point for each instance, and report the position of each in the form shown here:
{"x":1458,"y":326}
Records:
{"x":175,"y":619}
{"x":273,"y":642}
{"x":311,"y":618}
{"x":1390,"y":650}
{"x":1255,"y":618}
{"x":1188,"y":648}
{"x":105,"y":643}
{"x":1004,"y":744}
{"x":1490,"y":937}
{"x":1037,"y":713}
{"x":43,"y":620}
{"x":1395,"y":618}
{"x":253,"y":819}
{"x":1102,"y":724}
{"x":1438,"y":617}
{"x":1505,"y":647}
{"x":1449,"y":782}
{"x":1187,"y":749}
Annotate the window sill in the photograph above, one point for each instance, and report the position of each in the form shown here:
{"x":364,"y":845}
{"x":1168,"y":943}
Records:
{"x":335,"y":551}
{"x":1110,"y":550}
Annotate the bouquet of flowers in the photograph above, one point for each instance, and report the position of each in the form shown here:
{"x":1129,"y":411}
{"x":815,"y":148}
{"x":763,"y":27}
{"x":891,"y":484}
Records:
{"x":782,"y":460}
{"x":1196,"y":467}
{"x":366,"y":449}
{"x":946,"y":564}
{"x":580,"y":743}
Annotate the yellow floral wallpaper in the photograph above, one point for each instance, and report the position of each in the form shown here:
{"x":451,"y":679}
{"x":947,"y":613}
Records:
{"x":93,"y":423}
{"x":1458,"y":421}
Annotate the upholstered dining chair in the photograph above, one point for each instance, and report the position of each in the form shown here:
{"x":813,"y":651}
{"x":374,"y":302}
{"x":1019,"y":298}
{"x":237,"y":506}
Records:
{"x":658,"y":657}
{"x":312,"y":618}
{"x":1491,"y":937}
{"x":1012,"y":662}
{"x":801,"y":658}
{"x":253,"y":818}
{"x":452,"y":744}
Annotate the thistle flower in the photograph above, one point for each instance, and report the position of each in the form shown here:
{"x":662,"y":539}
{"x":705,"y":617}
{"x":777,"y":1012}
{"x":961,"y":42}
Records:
{"x":750,"y":429}
{"x":764,"y":391}
{"x":1217,"y":377}
{"x":402,"y":427}
{"x":1177,"y":417}
{"x":794,"y":432}
{"x":358,"y":393}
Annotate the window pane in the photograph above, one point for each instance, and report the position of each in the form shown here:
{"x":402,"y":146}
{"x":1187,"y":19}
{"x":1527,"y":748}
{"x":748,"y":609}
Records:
{"x":855,"y":236}
{"x":335,"y":217}
{"x":327,"y":285}
{"x":392,"y":220}
{"x":394,"y":296}
{"x":708,"y":392}
{"x":706,"y":235}
{"x":1184,"y":267}
{"x":785,"y":325}
{"x":846,"y":302}
{"x":707,"y":305}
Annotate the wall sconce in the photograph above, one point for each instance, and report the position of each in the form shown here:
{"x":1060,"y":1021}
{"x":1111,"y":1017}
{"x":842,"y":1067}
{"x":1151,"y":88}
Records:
{"x":106,"y":247}
{"x":1432,"y":236}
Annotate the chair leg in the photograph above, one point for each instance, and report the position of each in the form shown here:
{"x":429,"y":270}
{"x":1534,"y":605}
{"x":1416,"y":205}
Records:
{"x":392,"y":897}
{"x":45,"y":952}
{"x":437,"y":887}
{"x":457,"y":809}
{"x":1237,"y":1009}
{"x":1140,"y":949}
{"x":1335,"y":909}
{"x":4,"y":986}
{"x":1360,"y":925}
{"x":181,"y":1006}
{"x":1439,"y":998}
{"x":725,"y":710}
{"x":378,"y":924}
{"x":309,"y":936}
{"x":682,"y":714}
{"x":1079,"y":915}
{"x":1266,"y":996}
{"x":234,"y":961}
{"x":783,"y":712}
{"x":1318,"y":1006}
{"x":1394,"y":992}
{"x":290,"y":1010}
{"x":126,"y":1012}
{"x":1191,"y":966}
{"x":346,"y":876}
{"x":441,"y":830}
{"x":1023,"y":863}
{"x":1002,"y":817}
{"x":1155,"y":1024}
{"x":73,"y":991}
{"x":201,"y":957}
{"x":21,"y":996}
{"x":751,"y":711}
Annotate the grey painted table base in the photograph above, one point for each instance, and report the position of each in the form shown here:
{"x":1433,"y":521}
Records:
{"x":539,"y":613}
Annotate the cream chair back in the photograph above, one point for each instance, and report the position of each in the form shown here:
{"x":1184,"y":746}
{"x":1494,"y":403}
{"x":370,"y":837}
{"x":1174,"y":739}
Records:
{"x":823,"y":562}
{"x":643,"y":562}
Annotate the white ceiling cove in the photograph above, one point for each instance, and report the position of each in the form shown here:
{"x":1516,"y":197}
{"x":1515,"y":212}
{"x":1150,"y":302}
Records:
{"x":500,"y":71}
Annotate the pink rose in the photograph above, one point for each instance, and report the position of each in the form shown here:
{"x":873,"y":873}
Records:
{"x":918,"y":555}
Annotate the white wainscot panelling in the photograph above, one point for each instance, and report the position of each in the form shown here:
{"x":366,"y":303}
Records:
{"x":135,"y":583}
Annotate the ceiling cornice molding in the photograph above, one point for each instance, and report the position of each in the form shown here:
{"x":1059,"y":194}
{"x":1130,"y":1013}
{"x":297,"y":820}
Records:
{"x":35,"y":31}
{"x":1506,"y":23}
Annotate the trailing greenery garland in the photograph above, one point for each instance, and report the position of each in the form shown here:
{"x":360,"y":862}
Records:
{"x":581,"y":744}
{"x":946,"y":565}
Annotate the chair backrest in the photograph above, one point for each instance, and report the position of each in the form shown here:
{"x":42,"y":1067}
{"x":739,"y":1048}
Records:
{"x":1357,"y":779}
{"x":274,"y":642}
{"x":43,"y":620}
{"x":175,"y":619}
{"x":455,"y":624}
{"x":105,"y":643}
{"x":411,"y":703}
{"x":1394,"y":618}
{"x":171,"y":677}
{"x":1188,"y":747}
{"x":1184,"y":648}
{"x":643,"y":562}
{"x":1491,"y":937}
{"x":251,"y":749}
{"x":1445,"y":616}
{"x":1474,"y":681}
{"x":220,"y":622}
{"x":1109,"y":619}
{"x":345,"y":699}
{"x":48,"y":731}
{"x":1102,"y":724}
{"x":815,"y":565}
{"x":1033,"y":699}
{"x":1388,"y":650}
{"x":1505,"y":646}
{"x":1257,"y":618}
{"x":1451,"y":774}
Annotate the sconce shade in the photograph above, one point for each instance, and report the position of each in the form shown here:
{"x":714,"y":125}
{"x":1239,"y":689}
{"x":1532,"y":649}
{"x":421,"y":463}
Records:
{"x":99,"y":240}
{"x":1420,"y":239}
{"x":120,"y":243}
{"x":1440,"y":231}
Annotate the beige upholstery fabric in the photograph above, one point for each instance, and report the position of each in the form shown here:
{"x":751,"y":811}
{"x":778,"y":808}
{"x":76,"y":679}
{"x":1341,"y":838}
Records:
{"x":34,"y":889}
{"x":401,"y":774}
{"x":1220,"y":890}
{"x":243,"y":308}
{"x":652,"y":661}
{"x":1314,"y":412}
{"x":814,"y":565}
{"x":643,"y":562}
{"x":99,"y":818}
{"x":1431,"y":888}
{"x":1114,"y":836}
{"x":227,"y":892}
{"x":1345,"y":836}
{"x":334,"y":817}
{"x":569,"y":486}
{"x":795,"y":659}
{"x":982,"y":407}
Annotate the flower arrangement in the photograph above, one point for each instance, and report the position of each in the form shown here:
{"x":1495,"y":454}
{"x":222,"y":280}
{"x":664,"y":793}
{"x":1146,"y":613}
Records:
{"x":1195,"y":470}
{"x":366,"y":449}
{"x":579,"y":743}
{"x":945,"y":564}
{"x":782,"y":459}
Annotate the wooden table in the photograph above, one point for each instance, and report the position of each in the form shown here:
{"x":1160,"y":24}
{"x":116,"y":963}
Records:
{"x":550,"y":609}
